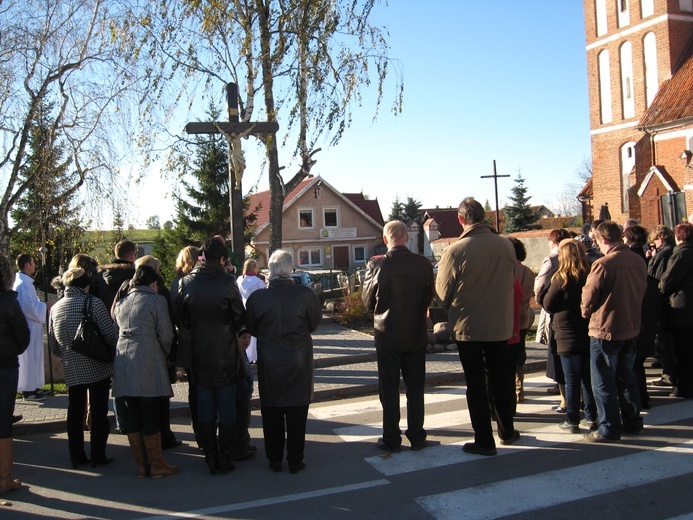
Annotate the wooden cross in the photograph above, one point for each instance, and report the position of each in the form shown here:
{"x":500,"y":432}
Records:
{"x":495,"y":182}
{"x":233,"y":131}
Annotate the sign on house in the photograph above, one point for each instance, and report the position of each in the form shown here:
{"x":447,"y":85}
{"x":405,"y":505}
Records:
{"x":338,"y":233}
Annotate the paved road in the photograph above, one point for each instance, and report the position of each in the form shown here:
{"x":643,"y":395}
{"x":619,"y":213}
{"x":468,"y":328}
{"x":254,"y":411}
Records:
{"x":548,"y":474}
{"x":345,"y":366}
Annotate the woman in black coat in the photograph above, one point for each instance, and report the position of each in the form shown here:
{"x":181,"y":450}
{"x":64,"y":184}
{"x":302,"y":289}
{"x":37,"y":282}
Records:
{"x":677,"y":284}
{"x":211,"y":308}
{"x":14,"y":339}
{"x":282,"y":318}
{"x":562,"y":301}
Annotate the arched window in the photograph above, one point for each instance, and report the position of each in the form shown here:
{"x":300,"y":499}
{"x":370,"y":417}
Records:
{"x":623,"y":12}
{"x":651,"y":75}
{"x":605,"y":87}
{"x":627,"y":96}
{"x":647,"y":8}
{"x":600,"y":10}
{"x":627,"y":165}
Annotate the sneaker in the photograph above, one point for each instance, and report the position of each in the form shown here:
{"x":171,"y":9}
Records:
{"x":34,"y":397}
{"x":471,"y":447}
{"x":590,"y":425}
{"x":598,"y":437}
{"x":660,"y":382}
{"x":386,"y":447}
{"x":559,"y":409}
{"x":573,"y":428}
{"x":513,"y":438}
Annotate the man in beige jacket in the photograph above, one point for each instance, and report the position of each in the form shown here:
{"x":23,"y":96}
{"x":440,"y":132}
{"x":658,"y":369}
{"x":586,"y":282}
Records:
{"x":475,"y":285}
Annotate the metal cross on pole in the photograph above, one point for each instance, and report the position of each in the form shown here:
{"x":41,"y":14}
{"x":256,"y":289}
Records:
{"x":495,"y":177}
{"x":233,"y":131}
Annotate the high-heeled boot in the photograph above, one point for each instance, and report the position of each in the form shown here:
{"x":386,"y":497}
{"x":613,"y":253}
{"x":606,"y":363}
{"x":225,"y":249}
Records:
{"x":7,"y":483}
{"x":158,"y":466}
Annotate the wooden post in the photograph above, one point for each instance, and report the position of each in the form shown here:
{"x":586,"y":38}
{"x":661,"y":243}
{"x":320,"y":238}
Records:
{"x":231,"y":129}
{"x":495,"y":183}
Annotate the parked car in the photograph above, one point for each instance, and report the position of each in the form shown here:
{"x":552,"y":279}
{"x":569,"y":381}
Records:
{"x":303,"y":278}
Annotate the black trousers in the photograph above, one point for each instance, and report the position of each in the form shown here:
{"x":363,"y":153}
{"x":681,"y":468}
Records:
{"x":482,"y":361}
{"x":143,"y":414}
{"x":412,"y":366}
{"x":100,"y":427}
{"x":683,"y":360}
{"x":284,"y":425}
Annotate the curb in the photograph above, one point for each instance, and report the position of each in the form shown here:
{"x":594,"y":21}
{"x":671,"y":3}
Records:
{"x":181,"y":409}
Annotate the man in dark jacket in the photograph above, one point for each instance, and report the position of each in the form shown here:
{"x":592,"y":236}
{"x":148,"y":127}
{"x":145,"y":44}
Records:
{"x":398,"y":290}
{"x":210,"y":307}
{"x":282,"y":318}
{"x":612,"y":300}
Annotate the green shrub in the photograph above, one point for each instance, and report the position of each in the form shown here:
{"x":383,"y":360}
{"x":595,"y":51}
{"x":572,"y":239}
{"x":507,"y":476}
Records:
{"x":354,"y":311}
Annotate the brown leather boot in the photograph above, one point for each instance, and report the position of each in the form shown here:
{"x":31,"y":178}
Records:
{"x":7,"y":483}
{"x":138,"y":452}
{"x":158,"y":466}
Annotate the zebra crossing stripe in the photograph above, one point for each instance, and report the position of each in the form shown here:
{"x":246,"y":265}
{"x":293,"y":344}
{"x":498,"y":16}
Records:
{"x":533,"y":492}
{"x":445,"y":455}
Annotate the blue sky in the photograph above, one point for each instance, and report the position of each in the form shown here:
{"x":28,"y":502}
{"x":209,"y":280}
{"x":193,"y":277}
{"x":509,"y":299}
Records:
{"x":503,"y":80}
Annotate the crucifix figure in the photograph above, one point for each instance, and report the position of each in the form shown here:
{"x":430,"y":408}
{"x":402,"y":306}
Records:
{"x":495,"y":182}
{"x":233,"y":131}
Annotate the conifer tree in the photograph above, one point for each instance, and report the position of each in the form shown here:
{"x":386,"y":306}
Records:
{"x":397,"y":210}
{"x":519,"y":215}
{"x":39,"y":222}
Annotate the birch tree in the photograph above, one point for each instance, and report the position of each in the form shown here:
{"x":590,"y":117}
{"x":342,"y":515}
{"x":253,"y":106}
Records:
{"x":302,"y":63}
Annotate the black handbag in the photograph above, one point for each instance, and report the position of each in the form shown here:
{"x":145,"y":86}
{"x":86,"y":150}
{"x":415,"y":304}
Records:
{"x":88,"y":340}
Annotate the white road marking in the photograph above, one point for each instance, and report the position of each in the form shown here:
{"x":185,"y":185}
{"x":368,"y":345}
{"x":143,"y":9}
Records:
{"x":270,"y":501}
{"x":534,"y":492}
{"x":373,"y":405}
{"x":445,"y":455}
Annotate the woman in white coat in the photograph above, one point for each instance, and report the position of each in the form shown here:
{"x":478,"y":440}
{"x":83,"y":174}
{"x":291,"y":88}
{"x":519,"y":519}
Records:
{"x":248,"y":283}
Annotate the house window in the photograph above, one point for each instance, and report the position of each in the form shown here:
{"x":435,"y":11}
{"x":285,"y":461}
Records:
{"x":305,"y":218}
{"x":623,"y":13}
{"x":651,"y":76}
{"x":310,"y":256}
{"x":600,"y":8}
{"x":647,"y":8}
{"x":627,"y":97}
{"x":686,"y":5}
{"x":627,"y":165}
{"x":605,"y":87}
{"x":359,"y":254}
{"x":331,"y":217}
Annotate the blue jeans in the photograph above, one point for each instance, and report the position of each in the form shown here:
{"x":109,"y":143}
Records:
{"x":612,"y":362}
{"x":217,"y":404}
{"x":577,"y":377}
{"x":8,"y":390}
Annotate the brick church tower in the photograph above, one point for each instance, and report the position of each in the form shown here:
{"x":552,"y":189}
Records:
{"x":640,"y":76}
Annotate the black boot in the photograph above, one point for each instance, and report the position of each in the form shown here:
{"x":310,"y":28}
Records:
{"x":226,"y":434}
{"x":208,"y":436}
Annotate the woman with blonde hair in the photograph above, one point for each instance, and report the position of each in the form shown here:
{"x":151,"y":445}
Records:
{"x":562,"y":301}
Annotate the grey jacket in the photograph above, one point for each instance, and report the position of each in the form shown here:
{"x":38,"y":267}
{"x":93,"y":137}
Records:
{"x":144,"y":340}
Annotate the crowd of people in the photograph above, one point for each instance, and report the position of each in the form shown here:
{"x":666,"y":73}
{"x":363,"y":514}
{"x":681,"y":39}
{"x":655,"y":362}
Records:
{"x":610,"y":297}
{"x":203,"y":324}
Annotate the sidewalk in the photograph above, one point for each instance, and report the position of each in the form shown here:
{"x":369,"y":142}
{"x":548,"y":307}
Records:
{"x":344,"y":366}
